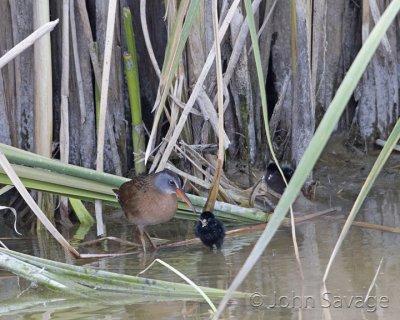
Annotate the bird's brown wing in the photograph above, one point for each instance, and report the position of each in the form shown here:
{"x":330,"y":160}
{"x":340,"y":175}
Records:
{"x":131,"y":190}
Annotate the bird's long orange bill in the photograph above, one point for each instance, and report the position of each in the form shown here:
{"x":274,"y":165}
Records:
{"x":182,"y":195}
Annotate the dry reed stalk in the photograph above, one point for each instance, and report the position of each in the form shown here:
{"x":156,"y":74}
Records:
{"x":376,"y":15}
{"x":200,"y":160}
{"x":182,"y":21}
{"x":43,"y":97}
{"x":210,"y":114}
{"x":150,"y":51}
{"x":206,"y":174}
{"x":309,"y":22}
{"x":77,"y":64}
{"x":373,"y":282}
{"x":276,"y":115}
{"x":112,"y":7}
{"x":176,"y":90}
{"x":207,"y":185}
{"x":381,"y":143}
{"x":212,"y":197}
{"x":197,"y":88}
{"x":43,"y":83}
{"x":89,"y":37}
{"x":294,"y":62}
{"x":365,"y":20}
{"x":32,"y":204}
{"x":174,"y":117}
{"x":266,"y":19}
{"x":118,"y":240}
{"x":250,"y":229}
{"x":146,"y":36}
{"x":64,"y":125}
{"x":242,"y":93}
{"x":27,"y":42}
{"x":371,"y":226}
{"x":238,"y":46}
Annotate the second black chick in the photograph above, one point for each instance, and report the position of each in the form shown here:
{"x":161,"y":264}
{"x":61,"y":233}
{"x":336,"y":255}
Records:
{"x":274,"y":179}
{"x":210,"y":230}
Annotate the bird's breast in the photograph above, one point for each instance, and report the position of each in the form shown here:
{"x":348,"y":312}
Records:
{"x":151,"y":209}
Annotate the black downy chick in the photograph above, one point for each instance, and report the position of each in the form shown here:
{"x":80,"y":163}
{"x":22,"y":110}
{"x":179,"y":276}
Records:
{"x":274,"y":179}
{"x":210,"y":230}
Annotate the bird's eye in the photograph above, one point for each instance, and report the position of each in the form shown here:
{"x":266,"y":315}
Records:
{"x":171,"y":182}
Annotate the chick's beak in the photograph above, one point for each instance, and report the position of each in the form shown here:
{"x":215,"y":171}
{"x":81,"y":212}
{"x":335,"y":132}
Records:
{"x":182,"y":195}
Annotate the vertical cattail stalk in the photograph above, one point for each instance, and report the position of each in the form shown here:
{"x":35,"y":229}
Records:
{"x":132,"y":78}
{"x":43,"y":97}
{"x":64,"y":127}
{"x":112,"y":7}
{"x":77,"y":206}
{"x":77,"y":64}
{"x":209,"y":206}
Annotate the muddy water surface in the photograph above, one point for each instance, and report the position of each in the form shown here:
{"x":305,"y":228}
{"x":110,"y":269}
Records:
{"x":275,"y":276}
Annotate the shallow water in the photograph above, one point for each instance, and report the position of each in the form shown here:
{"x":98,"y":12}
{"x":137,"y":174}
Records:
{"x":276,"y":275}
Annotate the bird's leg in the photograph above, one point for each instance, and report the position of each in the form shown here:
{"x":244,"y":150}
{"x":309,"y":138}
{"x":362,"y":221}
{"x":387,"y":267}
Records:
{"x":151,"y":241}
{"x":140,"y":228}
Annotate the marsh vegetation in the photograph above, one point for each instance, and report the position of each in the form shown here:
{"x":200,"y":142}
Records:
{"x":94,"y":93}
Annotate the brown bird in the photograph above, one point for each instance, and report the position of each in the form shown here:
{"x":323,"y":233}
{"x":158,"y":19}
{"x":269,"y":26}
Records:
{"x":151,"y":199}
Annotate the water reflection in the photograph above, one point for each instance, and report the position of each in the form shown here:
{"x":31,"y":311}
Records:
{"x":275,"y":275}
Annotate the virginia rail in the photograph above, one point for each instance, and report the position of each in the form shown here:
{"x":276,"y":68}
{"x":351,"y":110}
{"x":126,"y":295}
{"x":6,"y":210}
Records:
{"x":151,"y":199}
{"x":210,"y":230}
{"x":274,"y":179}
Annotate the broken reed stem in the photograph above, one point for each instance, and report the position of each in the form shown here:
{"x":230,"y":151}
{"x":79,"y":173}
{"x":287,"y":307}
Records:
{"x":64,"y":125}
{"x":132,"y":78}
{"x":27,"y":42}
{"x":112,"y":7}
{"x":34,"y":207}
{"x":381,"y":143}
